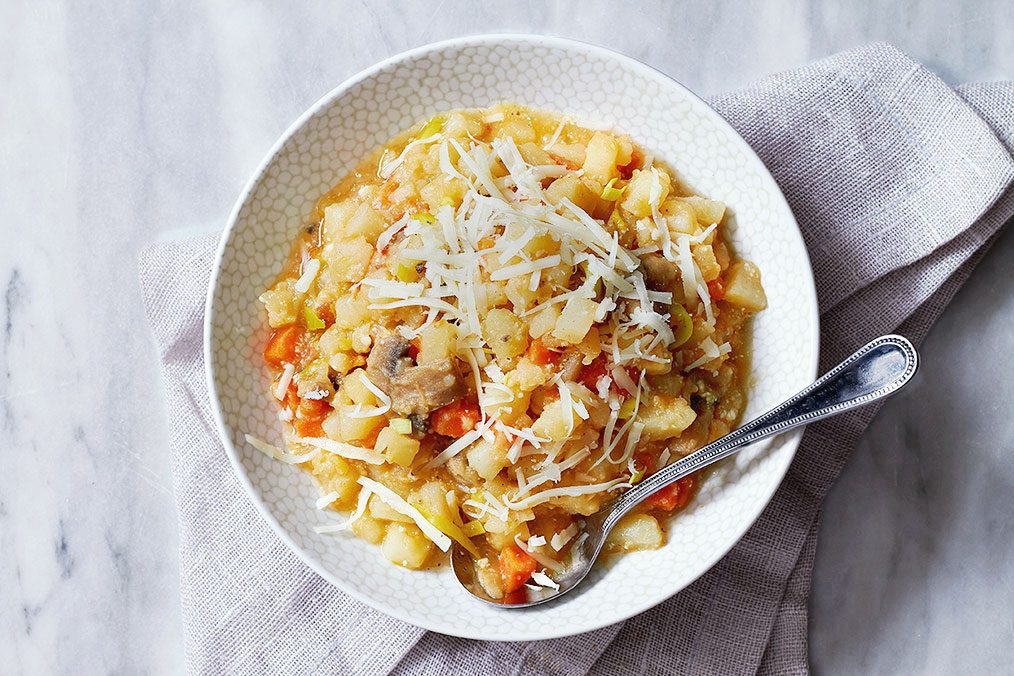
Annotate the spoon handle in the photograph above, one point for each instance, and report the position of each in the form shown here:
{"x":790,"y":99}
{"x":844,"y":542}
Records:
{"x":875,"y":371}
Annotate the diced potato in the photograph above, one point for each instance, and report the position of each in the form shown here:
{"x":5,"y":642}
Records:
{"x":369,"y":529}
{"x":600,"y":158}
{"x":462,"y":125}
{"x":680,"y":217}
{"x":354,"y":387}
{"x":625,"y":151}
{"x":707,"y":211}
{"x":405,"y":545}
{"x":636,"y":198}
{"x":574,"y":189}
{"x":575,"y":320}
{"x":335,"y":340}
{"x":664,"y":416}
{"x":351,"y":311}
{"x":486,"y":459}
{"x":346,"y":261}
{"x":722,"y":254}
{"x":379,"y":509}
{"x":335,"y":474}
{"x":570,"y":153}
{"x":553,"y":422}
{"x":353,"y":430}
{"x":505,"y":334}
{"x":314,"y":378}
{"x":526,"y":376}
{"x":518,"y":293}
{"x":343,"y":362}
{"x":442,"y":190}
{"x":437,"y":341}
{"x":489,"y":578}
{"x":520,"y":130}
{"x":704,"y":256}
{"x":283,"y":303}
{"x":543,"y":321}
{"x":398,"y":448}
{"x":335,"y":217}
{"x":532,"y":153}
{"x":431,"y":500}
{"x":365,"y":223}
{"x":743,"y":287}
{"x":634,"y":532}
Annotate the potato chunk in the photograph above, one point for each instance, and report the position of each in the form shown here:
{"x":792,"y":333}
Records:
{"x":555,"y":423}
{"x":664,"y":417}
{"x":346,"y":261}
{"x":437,"y":341}
{"x":398,"y":448}
{"x":379,"y":509}
{"x":283,"y":303}
{"x":486,"y":459}
{"x":406,"y":546}
{"x":574,"y":189}
{"x":634,"y":532}
{"x":575,"y":320}
{"x":505,"y":334}
{"x":364,"y":222}
{"x":637,"y":198}
{"x":600,"y":158}
{"x":743,"y":287}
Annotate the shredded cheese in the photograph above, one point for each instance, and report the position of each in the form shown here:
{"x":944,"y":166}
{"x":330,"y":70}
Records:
{"x":348,"y":451}
{"x":400,"y":505}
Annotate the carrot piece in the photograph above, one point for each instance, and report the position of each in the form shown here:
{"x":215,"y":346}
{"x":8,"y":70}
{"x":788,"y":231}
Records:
{"x":516,"y":568}
{"x":413,"y":349}
{"x":590,"y":374}
{"x":675,"y":496}
{"x":282,"y":345}
{"x":538,"y":353}
{"x":516,"y":597}
{"x":455,"y":419}
{"x":716,"y":289}
{"x":310,"y":413}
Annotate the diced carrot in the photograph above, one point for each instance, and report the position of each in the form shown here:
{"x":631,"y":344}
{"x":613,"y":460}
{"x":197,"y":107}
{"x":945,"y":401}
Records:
{"x":455,"y":419}
{"x":515,"y":597}
{"x":590,"y":374}
{"x":675,"y":496}
{"x":309,"y":415}
{"x":538,"y":353}
{"x":516,"y":568}
{"x":282,"y":346}
{"x":716,"y":289}
{"x":413,"y":349}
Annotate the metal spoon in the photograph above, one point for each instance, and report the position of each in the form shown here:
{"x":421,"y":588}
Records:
{"x":877,"y":370}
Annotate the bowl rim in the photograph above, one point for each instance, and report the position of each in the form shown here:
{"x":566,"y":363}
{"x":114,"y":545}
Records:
{"x":791,"y":441}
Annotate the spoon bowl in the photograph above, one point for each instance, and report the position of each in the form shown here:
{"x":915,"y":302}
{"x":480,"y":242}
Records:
{"x":877,"y":370}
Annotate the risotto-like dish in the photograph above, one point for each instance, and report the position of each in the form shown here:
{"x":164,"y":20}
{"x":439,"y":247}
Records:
{"x":495,"y":324}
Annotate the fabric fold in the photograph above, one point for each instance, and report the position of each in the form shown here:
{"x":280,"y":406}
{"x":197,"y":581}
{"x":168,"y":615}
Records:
{"x":899,"y":184}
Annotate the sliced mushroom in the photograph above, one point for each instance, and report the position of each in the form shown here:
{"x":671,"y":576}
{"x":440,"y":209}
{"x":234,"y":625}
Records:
{"x":660,"y":274}
{"x":413,"y":389}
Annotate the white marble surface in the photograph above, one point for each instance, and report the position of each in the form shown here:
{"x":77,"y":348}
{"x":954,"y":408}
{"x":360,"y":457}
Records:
{"x":128,"y":121}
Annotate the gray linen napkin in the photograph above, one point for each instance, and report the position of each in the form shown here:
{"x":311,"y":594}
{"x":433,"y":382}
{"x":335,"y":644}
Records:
{"x":899,"y":183}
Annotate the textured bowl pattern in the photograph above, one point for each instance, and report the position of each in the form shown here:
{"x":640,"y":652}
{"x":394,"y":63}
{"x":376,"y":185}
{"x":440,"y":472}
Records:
{"x":597,"y":88}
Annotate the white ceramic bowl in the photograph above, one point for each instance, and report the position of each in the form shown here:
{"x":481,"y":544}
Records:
{"x":595,"y":86}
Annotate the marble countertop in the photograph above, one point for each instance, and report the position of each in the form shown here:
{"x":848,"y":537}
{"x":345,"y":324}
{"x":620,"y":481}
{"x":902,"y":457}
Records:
{"x":141,"y":120}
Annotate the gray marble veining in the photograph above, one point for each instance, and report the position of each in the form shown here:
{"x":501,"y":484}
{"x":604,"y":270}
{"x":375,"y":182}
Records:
{"x":126,"y":122}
